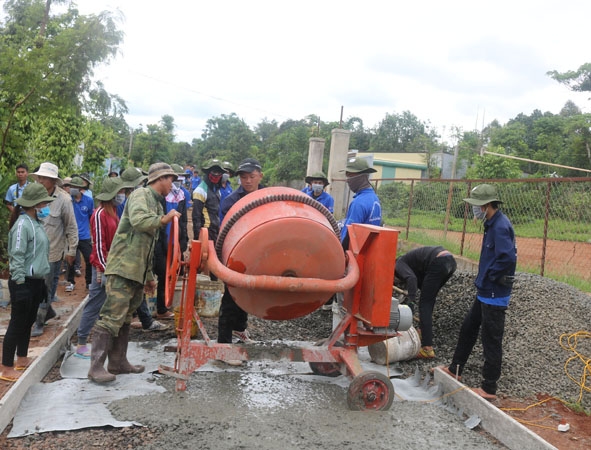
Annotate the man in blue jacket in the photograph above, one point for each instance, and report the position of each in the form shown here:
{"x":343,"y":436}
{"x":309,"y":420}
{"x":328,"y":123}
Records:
{"x":365,"y":207}
{"x":496,"y":270}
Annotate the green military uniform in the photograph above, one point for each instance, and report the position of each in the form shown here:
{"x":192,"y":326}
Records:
{"x":129,"y":266}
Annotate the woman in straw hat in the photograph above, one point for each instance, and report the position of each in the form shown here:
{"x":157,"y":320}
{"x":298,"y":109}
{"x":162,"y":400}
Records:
{"x":28,"y":249}
{"x":103,"y":225}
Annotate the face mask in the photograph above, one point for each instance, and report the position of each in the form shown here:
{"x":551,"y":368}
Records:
{"x":74,"y":192}
{"x":42,"y":213}
{"x":317,"y":188}
{"x":215,"y":179}
{"x":479,"y":214}
{"x":358,"y":182}
{"x":119,"y":199}
{"x":177,"y":184}
{"x":225,"y":177}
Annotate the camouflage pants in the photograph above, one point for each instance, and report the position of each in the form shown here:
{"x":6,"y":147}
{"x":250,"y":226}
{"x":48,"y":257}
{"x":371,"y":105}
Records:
{"x":124,"y":296}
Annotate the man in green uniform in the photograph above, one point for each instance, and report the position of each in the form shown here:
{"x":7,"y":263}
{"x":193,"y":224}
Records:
{"x":129,"y":273}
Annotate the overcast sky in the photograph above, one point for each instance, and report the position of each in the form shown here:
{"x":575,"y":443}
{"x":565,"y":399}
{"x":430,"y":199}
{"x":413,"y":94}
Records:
{"x":453,"y":63}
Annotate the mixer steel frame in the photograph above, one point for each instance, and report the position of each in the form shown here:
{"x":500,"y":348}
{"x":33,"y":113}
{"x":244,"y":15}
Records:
{"x":369,"y":390}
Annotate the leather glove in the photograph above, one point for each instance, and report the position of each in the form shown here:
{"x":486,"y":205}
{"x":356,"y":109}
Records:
{"x":507,"y":280}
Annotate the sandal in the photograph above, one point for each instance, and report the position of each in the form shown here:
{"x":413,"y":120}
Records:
{"x":485,"y":395}
{"x":426,"y":353}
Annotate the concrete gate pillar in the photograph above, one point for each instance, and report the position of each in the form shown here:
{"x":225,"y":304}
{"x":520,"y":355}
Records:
{"x":315,"y":155}
{"x":339,"y":148}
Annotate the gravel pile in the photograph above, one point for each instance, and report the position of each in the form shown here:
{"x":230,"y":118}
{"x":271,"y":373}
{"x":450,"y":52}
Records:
{"x":541,"y":310}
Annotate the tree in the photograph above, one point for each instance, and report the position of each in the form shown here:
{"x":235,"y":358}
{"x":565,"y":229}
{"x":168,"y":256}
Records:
{"x":494,"y":167}
{"x":397,"y":131}
{"x":576,"y":80}
{"x":227,"y":137}
{"x":46,"y":67}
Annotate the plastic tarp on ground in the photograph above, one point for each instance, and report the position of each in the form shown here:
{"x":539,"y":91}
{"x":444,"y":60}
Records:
{"x":75,"y":402}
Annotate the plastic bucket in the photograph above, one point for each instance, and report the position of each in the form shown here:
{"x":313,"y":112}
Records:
{"x":208,"y":296}
{"x":399,"y":348}
{"x":177,"y":318}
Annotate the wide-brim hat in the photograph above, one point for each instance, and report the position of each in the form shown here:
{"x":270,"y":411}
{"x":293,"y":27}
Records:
{"x":159,"y":170}
{"x":317,"y":176}
{"x":48,"y":170}
{"x":358,"y":165}
{"x":228,"y":167}
{"x":211,"y":164}
{"x":77,"y":182}
{"x":483,"y":194}
{"x":33,"y":194}
{"x":178,"y":169}
{"x":131,"y":177}
{"x":111,"y":186}
{"x":67,"y":181}
{"x":249,"y":165}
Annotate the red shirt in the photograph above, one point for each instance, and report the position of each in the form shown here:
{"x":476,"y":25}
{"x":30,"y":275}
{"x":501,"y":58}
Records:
{"x":103,"y":227}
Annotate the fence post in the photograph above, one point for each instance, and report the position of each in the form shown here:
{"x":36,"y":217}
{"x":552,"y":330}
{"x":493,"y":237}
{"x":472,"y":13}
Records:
{"x":447,"y":209}
{"x":546,"y":218}
{"x":465,"y":220}
{"x":410,"y":198}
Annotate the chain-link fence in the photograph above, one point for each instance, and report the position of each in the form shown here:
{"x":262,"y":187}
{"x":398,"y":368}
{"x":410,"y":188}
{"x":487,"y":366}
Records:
{"x":551,"y":217}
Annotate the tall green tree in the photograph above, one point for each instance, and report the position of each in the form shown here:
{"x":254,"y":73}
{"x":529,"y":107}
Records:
{"x":396,"y":133}
{"x":227,"y":137}
{"x":46,"y":66}
{"x":576,"y":80}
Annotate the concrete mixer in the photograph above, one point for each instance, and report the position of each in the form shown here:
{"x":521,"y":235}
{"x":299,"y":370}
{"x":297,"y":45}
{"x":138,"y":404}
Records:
{"x":279,"y":254}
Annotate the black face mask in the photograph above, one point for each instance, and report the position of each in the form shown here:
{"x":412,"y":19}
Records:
{"x":358,"y":182}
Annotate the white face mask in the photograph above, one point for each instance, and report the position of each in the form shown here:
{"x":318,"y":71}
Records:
{"x":317,"y":188}
{"x":225,"y":177}
{"x":177,"y":184}
{"x":119,"y":199}
{"x":479,"y":213}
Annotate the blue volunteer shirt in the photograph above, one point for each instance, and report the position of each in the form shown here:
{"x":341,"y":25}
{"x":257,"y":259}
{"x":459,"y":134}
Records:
{"x":365,"y":208}
{"x":83,"y":210}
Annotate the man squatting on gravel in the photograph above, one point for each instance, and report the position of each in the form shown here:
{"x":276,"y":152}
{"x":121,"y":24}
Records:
{"x":496,"y":270}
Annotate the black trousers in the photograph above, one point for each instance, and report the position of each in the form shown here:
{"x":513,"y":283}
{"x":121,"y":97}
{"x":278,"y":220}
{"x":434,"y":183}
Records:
{"x":490,"y":321}
{"x":24,"y":305}
{"x":232,"y":317}
{"x":436,"y":275}
{"x":84,"y":247}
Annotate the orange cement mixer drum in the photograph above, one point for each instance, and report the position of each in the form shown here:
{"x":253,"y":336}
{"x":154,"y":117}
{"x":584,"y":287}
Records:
{"x":280,"y":231}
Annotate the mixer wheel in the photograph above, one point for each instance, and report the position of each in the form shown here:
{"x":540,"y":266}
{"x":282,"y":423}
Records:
{"x":370,"y":391}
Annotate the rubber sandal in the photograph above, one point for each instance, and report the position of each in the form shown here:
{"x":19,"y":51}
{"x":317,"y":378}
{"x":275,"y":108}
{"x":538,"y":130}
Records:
{"x":426,"y":354}
{"x":446,"y":370}
{"x":485,"y":395}
{"x":7,"y":378}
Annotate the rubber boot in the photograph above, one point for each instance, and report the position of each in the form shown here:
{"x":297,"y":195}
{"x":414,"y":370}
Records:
{"x":40,"y":321}
{"x":118,"y":362}
{"x":101,"y":342}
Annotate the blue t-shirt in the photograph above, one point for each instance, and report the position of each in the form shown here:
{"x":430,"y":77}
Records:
{"x":83,"y":210}
{"x":365,"y":208}
{"x":325,"y":199}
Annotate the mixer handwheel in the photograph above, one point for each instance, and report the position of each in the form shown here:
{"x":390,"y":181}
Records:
{"x":370,"y":391}
{"x":173,"y":262}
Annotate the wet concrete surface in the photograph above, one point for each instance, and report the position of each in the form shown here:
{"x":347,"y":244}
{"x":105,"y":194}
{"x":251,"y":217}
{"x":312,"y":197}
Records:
{"x":259,"y":407}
